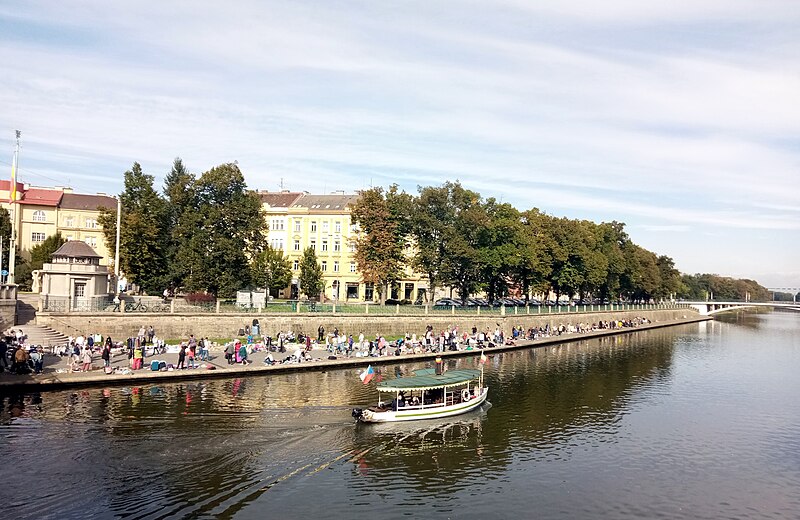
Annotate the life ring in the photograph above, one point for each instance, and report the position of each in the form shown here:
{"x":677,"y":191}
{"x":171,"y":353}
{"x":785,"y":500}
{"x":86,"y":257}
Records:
{"x":465,"y":395}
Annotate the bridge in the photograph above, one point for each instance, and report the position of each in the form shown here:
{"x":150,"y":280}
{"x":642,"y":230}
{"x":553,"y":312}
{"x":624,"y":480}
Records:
{"x":787,"y":290}
{"x":710,"y":308}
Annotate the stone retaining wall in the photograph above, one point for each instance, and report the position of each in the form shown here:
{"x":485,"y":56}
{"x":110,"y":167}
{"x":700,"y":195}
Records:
{"x":173,"y":326}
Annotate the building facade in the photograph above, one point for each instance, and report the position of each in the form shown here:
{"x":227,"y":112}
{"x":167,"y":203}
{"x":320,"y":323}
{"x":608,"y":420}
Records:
{"x":296,"y":221}
{"x":38,"y":213}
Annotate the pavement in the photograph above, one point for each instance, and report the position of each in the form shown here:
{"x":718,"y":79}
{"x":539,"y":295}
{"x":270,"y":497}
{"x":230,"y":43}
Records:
{"x":56,"y":374}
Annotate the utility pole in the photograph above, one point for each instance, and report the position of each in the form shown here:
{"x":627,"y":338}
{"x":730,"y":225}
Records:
{"x":13,"y":247}
{"x":116,"y":251}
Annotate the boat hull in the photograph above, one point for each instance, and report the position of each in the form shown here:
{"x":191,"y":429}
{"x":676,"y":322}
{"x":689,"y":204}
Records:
{"x":418,"y":413}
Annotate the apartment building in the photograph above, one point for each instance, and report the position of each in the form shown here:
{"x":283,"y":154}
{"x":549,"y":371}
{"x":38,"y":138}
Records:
{"x":296,"y":221}
{"x":41,"y":212}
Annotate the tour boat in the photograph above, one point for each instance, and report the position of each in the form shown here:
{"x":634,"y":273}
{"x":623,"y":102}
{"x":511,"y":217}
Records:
{"x":427,"y":395}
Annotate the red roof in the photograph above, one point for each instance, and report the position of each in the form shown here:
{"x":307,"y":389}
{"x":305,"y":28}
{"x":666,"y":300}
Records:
{"x":40,"y":197}
{"x":5,"y":185}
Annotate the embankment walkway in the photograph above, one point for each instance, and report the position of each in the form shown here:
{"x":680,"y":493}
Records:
{"x":52,"y":380}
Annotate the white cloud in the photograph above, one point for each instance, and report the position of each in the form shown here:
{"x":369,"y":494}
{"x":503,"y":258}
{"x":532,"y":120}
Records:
{"x":542,"y":103}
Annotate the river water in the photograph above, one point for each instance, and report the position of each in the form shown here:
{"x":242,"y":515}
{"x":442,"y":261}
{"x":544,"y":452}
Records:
{"x":696,"y":421}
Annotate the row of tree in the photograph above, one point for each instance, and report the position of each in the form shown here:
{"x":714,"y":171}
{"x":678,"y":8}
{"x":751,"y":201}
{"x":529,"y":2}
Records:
{"x":203,"y":233}
{"x":208,"y":233}
{"x":474,"y":245}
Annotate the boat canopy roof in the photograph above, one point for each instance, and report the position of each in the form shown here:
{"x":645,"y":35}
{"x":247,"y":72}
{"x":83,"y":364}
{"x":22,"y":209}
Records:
{"x":427,"y":379}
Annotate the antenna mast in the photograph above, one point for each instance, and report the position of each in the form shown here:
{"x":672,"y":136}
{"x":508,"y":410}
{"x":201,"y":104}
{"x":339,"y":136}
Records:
{"x":13,"y":197}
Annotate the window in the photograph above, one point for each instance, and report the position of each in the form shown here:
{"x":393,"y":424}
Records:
{"x":324,"y":226}
{"x":37,"y":237}
{"x":91,"y":223}
{"x":354,"y":228}
{"x":338,"y":226}
{"x":313,"y":226}
{"x":369,"y":291}
{"x":313,"y":244}
{"x":296,"y":265}
{"x":324,"y":245}
{"x":277,"y":244}
{"x":324,"y":266}
{"x":69,"y":237}
{"x":352,"y":267}
{"x":337,"y":246}
{"x":297,"y":245}
{"x":92,"y":241}
{"x":297,"y":225}
{"x":335,"y":267}
{"x":69,"y":222}
{"x":352,"y":247}
{"x":80,"y":290}
{"x":277,"y":224}
{"x":39,"y":216}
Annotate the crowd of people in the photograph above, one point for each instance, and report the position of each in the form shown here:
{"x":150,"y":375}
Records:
{"x":285,"y":347}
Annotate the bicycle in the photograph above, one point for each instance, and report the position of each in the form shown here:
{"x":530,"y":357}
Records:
{"x":138,"y":306}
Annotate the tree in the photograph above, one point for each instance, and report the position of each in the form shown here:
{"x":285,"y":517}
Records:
{"x":180,"y":197}
{"x":533,"y":268}
{"x":43,"y":253}
{"x":311,"y":282}
{"x":143,"y":233}
{"x":462,"y":265}
{"x":222,"y":230}
{"x":384,"y":226}
{"x":500,"y":247}
{"x":271,"y":270}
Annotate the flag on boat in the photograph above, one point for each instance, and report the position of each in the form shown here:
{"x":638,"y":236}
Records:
{"x":367,"y":375}
{"x":483,"y":358}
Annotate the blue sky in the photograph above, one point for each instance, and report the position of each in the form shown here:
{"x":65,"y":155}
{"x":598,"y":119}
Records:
{"x":679,"y":118}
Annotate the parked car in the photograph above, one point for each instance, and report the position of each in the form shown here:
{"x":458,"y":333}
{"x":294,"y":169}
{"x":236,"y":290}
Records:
{"x":447,"y":302}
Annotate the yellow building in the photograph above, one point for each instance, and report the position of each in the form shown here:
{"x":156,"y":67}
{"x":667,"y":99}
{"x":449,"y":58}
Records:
{"x":296,"y":221}
{"x":41,"y":212}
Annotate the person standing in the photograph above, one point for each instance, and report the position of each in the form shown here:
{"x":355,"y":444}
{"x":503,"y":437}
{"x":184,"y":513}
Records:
{"x":106,"y":355}
{"x":182,"y":357}
{"x":320,"y":333}
{"x":87,"y":360}
{"x":229,"y":352}
{"x":243,"y":354}
{"x":138,"y":356}
{"x":192,"y":353}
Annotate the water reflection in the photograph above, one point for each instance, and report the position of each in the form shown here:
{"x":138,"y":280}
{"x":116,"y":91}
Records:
{"x":287,"y":443}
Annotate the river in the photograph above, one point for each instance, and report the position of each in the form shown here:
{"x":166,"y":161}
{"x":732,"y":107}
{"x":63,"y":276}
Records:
{"x":694,"y":421}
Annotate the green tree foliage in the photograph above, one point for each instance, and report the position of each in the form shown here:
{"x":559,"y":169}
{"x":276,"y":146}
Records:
{"x":144,"y":231}
{"x":501,"y":247}
{"x":462,"y":265}
{"x":220,"y":229}
{"x":385,"y":224}
{"x":432,"y":216}
{"x":533,"y":267}
{"x":703,"y":286}
{"x":180,"y":196}
{"x":311,"y":283}
{"x":270,"y":269}
{"x":43,"y":253}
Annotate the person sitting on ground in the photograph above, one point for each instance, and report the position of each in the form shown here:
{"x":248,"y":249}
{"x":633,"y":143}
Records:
{"x":21,"y":362}
{"x":269,"y":360}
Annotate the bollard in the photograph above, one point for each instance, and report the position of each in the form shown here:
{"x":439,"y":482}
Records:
{"x":172,"y":306}
{"x":426,"y":310}
{"x":479,"y":310}
{"x":334,"y":308}
{"x":366,"y":308}
{"x":397,"y":308}
{"x":218,"y":306}
{"x":453,"y":310}
{"x":502,"y":310}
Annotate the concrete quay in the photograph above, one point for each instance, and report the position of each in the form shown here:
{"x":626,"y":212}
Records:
{"x":53,"y":380}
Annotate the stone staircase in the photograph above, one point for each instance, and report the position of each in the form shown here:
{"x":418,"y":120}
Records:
{"x":26,"y":320}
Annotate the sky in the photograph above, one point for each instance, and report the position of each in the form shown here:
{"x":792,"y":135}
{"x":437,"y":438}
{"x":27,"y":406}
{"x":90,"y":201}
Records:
{"x":679,"y":118}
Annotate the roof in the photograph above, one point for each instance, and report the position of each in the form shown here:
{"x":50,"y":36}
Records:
{"x":87,"y":202}
{"x":279,"y":199}
{"x":425,"y":380}
{"x":76,"y":249}
{"x":41,"y":197}
{"x":325,"y":202}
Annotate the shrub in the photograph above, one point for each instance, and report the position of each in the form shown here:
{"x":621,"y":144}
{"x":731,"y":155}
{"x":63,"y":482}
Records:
{"x":199,"y":298}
